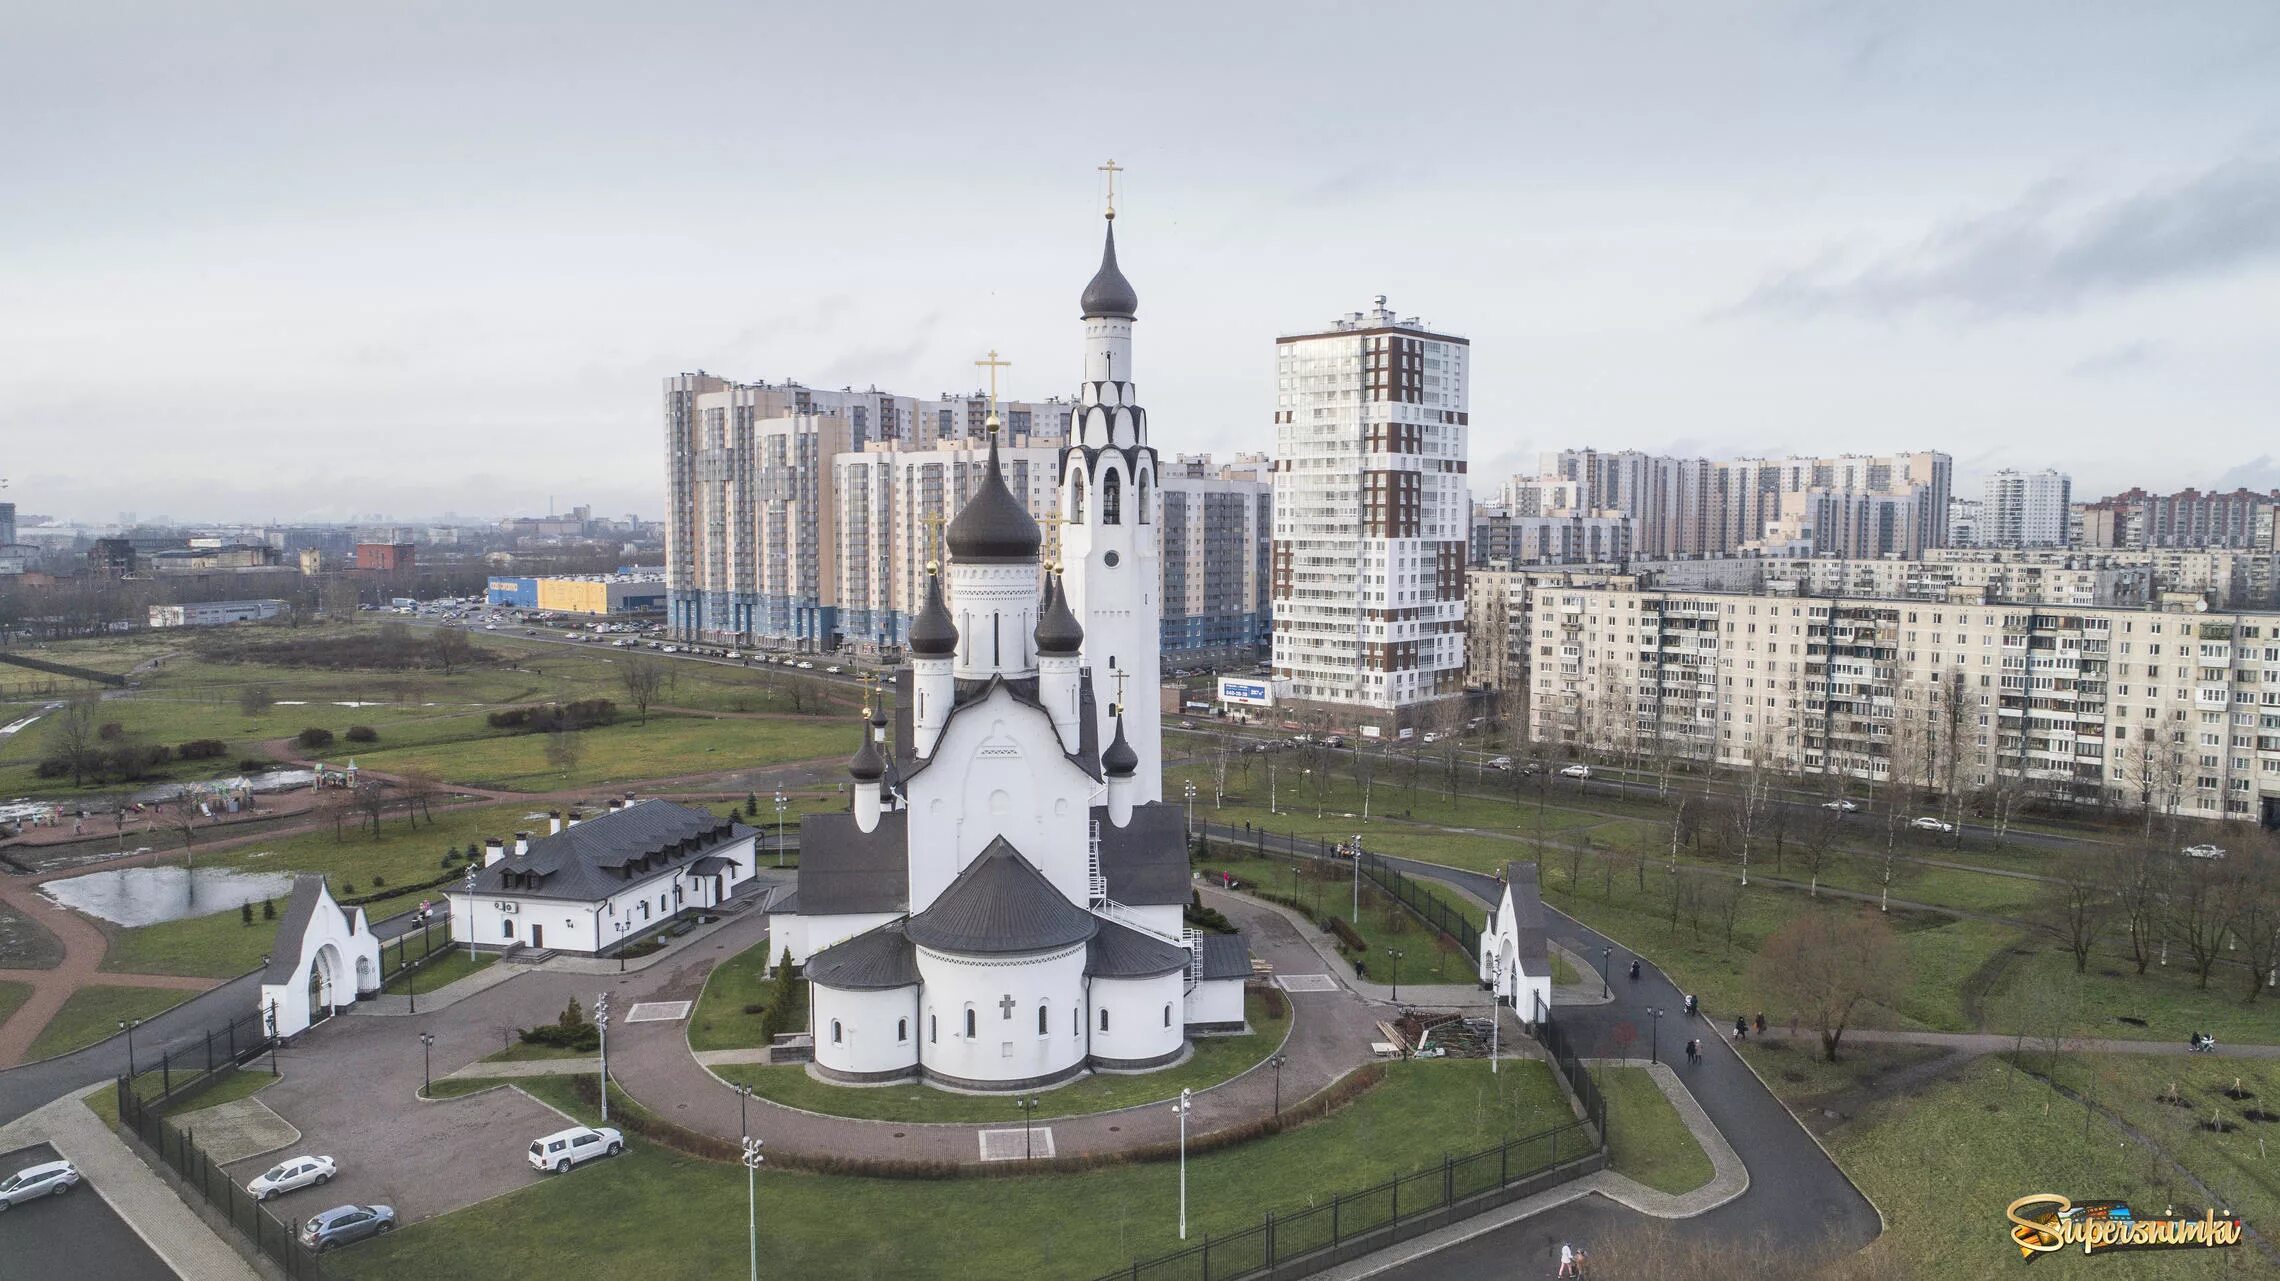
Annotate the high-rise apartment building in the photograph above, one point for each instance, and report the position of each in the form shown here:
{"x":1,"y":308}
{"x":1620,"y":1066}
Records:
{"x":1370,"y":514}
{"x":2025,"y":509}
{"x":1218,"y":538}
{"x":1966,"y":516}
{"x":2188,"y":518}
{"x":1848,"y":505}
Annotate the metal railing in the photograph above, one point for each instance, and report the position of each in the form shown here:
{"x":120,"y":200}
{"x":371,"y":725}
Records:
{"x":273,"y":1237}
{"x":186,"y":1069}
{"x":1404,"y":888}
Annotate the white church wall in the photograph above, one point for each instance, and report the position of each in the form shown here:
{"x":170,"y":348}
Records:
{"x":1137,"y":1028}
{"x":865,"y":1033}
{"x":1217,"y":1002}
{"x":1006,"y":1045}
{"x":804,"y":936}
{"x":998,"y":772}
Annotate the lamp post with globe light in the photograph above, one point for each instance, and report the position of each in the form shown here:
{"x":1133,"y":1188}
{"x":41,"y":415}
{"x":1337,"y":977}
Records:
{"x":752,"y":1162}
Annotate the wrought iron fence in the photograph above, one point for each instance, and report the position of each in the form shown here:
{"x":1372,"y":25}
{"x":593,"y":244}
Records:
{"x":1356,"y":1223}
{"x":1435,"y":911}
{"x":273,"y":1237}
{"x":185,"y":1069}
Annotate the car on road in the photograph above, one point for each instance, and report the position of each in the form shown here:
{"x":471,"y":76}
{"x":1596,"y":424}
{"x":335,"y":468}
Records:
{"x":1187,"y":724}
{"x":807,"y":667}
{"x":2204,"y":851}
{"x":51,"y":1178}
{"x":1432,"y":736}
{"x":564,"y":1148}
{"x":833,"y":669}
{"x":291,"y":1174}
{"x":347,"y":1224}
{"x":1576,"y":771}
{"x":1334,"y":740}
{"x":1500,"y":763}
{"x":732,"y":654}
{"x":1840,"y":805}
{"x":1930,"y":824}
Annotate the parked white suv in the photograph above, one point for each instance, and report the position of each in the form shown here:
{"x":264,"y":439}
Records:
{"x":565,"y":1148}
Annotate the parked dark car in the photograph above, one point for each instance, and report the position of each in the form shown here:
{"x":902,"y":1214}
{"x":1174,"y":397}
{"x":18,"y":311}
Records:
{"x":345,"y":1224}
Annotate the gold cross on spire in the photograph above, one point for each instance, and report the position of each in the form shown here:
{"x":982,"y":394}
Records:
{"x":1111,"y":169}
{"x":934,"y":538}
{"x":993,"y":364}
{"x":1118,"y":676}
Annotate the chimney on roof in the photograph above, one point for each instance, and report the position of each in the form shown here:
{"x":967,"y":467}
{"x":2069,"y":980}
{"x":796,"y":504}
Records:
{"x":616,"y":805}
{"x":553,"y":822}
{"x":576,"y":817}
{"x":522,"y":844}
{"x":494,"y":849}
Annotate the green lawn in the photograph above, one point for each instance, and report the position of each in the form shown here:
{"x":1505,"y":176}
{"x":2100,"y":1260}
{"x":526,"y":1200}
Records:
{"x":217,"y":946}
{"x":718,"y":1021}
{"x":628,"y":752}
{"x":1216,"y":1060}
{"x":92,"y":1013}
{"x":228,"y":1087}
{"x":1383,"y":922}
{"x":440,"y":972}
{"x":11,"y":996}
{"x":402,"y":852}
{"x":1942,"y":1164}
{"x":665,"y":1218}
{"x":1647,"y":1140}
{"x":2166,"y":997}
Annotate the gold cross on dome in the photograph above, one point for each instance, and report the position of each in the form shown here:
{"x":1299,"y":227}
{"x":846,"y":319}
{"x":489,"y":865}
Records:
{"x":934,"y":535}
{"x":994,"y":364}
{"x":1118,"y":676}
{"x":1111,"y":169}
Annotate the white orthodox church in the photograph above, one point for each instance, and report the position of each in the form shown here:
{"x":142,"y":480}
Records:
{"x":1002,"y":907}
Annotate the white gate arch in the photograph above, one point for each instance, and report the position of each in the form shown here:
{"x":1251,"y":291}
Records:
{"x":326,"y":959}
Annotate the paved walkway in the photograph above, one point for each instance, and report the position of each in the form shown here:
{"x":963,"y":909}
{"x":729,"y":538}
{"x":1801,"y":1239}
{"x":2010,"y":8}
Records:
{"x":84,"y":945}
{"x":1729,"y":1177}
{"x":1998,"y":1043}
{"x":130,"y":1188}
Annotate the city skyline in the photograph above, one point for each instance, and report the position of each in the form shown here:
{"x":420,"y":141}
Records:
{"x":291,"y":284}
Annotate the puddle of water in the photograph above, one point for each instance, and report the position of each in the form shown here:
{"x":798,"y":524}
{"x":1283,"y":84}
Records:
{"x":148,"y":895}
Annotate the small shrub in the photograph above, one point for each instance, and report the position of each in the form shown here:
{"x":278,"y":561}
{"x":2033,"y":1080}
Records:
{"x":348,"y":887}
{"x":363,"y":734}
{"x":1347,"y":936}
{"x":252,"y":765}
{"x":269,"y":909}
{"x":755,"y":1007}
{"x":245,"y":912}
{"x":378,"y":880}
{"x":314,"y":736}
{"x":202,"y":749}
{"x":111,"y":731}
{"x":52,"y":767}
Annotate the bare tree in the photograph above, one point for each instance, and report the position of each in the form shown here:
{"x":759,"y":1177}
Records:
{"x":643,"y":679}
{"x":73,"y":737}
{"x":564,"y":749}
{"x":2078,"y":904}
{"x":2134,"y":885}
{"x":255,"y":699}
{"x":1826,"y":965}
{"x":421,"y":786}
{"x":2199,"y":905}
{"x":182,"y":815}
{"x":451,"y":649}
{"x":2256,"y":915}
{"x":370,"y":799}
{"x":1818,"y":847}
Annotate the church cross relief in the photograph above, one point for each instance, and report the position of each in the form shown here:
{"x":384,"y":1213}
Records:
{"x":1005,"y":1006}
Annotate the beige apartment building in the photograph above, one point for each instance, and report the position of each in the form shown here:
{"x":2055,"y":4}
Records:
{"x":2179,"y":710}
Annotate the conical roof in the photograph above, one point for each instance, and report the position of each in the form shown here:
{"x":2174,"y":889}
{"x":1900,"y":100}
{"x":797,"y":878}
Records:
{"x":1120,"y":760}
{"x":1058,"y":631}
{"x":1001,"y":904}
{"x":993,"y":525}
{"x":932,"y":634}
{"x":1108,"y":295}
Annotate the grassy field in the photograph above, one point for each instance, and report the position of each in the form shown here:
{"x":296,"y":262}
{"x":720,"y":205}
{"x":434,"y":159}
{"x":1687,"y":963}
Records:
{"x":627,"y":752}
{"x":227,"y":1088}
{"x":667,"y":1218}
{"x":1383,"y":921}
{"x":12,"y":995}
{"x":1216,"y":1059}
{"x":1647,"y":1139}
{"x":2167,"y":998}
{"x":219,"y":946}
{"x":93,"y":1013}
{"x":440,"y":972}
{"x":718,"y":1020}
{"x":1942,"y":1165}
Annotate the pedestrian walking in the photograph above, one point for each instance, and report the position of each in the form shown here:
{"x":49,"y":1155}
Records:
{"x":1567,"y":1259}
{"x":1741,"y":1027}
{"x":1761,"y":1022}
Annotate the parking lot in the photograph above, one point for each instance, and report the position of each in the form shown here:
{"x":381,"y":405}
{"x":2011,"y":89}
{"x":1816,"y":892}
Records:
{"x":73,"y":1235}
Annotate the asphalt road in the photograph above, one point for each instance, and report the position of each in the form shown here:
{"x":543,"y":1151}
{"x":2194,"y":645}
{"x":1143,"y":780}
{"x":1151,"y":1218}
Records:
{"x":73,"y":1235}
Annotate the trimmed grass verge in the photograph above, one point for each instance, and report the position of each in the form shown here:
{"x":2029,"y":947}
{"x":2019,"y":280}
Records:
{"x":1649,"y":1141}
{"x":93,"y":1013}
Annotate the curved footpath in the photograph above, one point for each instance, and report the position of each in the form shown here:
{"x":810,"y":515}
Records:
{"x":1797,"y":1195}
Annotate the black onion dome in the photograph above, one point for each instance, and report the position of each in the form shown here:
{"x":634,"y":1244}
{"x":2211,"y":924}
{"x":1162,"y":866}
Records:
{"x":1120,"y":760}
{"x":933,"y":635}
{"x":993,"y":526}
{"x":868,"y":766}
{"x":1058,"y":632}
{"x":1108,"y":294}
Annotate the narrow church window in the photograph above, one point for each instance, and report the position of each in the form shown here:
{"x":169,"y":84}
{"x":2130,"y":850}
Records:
{"x":1167,"y":1014}
{"x":1140,"y":495}
{"x":835,"y":1031}
{"x":1077,"y":501}
{"x":1076,"y":1022}
{"x":507,"y":929}
{"x":902,"y":1030}
{"x":1104,"y":1020}
{"x":1111,"y":499}
{"x":933,"y":1029}
{"x":1041,"y":1020}
{"x":969,"y":1020}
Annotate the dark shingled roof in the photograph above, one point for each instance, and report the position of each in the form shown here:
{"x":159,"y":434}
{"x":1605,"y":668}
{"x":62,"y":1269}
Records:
{"x":845,"y":869}
{"x":1225,"y":956}
{"x":299,"y":911}
{"x":1001,"y":904}
{"x":868,"y":766}
{"x":1528,"y":916}
{"x":993,"y":526}
{"x":1144,"y":862}
{"x":1121,"y":952}
{"x":1058,"y":631}
{"x":1120,"y":760}
{"x":1108,"y":294}
{"x":932,"y":634}
{"x":587,"y":861}
{"x":713,"y":865}
{"x":873,"y":960}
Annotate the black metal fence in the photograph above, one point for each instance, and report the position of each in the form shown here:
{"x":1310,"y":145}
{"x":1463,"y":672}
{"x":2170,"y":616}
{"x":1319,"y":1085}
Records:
{"x":1351,"y":1225}
{"x":1435,"y":911}
{"x":272,"y":1236}
{"x":185,"y":1069}
{"x":1552,"y":1035}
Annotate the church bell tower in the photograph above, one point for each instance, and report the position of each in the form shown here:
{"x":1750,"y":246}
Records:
{"x":1110,"y":523}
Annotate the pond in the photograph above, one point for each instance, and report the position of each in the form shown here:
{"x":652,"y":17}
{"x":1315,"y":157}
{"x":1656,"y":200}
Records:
{"x":148,"y":895}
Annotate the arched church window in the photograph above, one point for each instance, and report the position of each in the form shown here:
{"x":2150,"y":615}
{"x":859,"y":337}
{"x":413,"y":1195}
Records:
{"x":1140,"y":496}
{"x":507,"y":928}
{"x":902,"y":1031}
{"x":933,"y":1029}
{"x":969,"y":1020}
{"x":1167,"y":1014}
{"x":1104,"y":1020}
{"x":1077,"y":499}
{"x":1041,"y":1020}
{"x":1111,"y":498}
{"x":835,"y":1031}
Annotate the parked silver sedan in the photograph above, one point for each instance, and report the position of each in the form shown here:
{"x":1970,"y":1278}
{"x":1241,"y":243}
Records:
{"x":51,"y":1178}
{"x":292,"y":1174}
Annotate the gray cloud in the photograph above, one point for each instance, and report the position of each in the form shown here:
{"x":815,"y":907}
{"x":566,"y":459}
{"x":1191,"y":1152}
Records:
{"x":2045,"y":253}
{"x":2116,"y":360}
{"x":2261,"y":472}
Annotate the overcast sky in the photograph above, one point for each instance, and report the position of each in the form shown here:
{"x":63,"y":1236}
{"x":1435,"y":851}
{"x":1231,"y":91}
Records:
{"x":319,"y":260}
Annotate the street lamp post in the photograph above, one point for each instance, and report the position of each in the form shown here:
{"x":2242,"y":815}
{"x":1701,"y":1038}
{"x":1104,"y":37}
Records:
{"x":470,"y":922}
{"x":1278,"y":1061}
{"x":269,"y":1023}
{"x":780,"y":806}
{"x":128,"y":1026}
{"x":622,"y":926}
{"x":1654,"y":1037}
{"x":1495,"y":1005}
{"x":752,"y":1161}
{"x":1191,"y":812}
{"x":602,"y":1023}
{"x":1606,"y":954}
{"x":427,"y":1065}
{"x":743,"y":1094}
{"x":1186,"y":1102}
{"x":1357,"y":848}
{"x":1028,"y":1114}
{"x":1396,"y":953}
